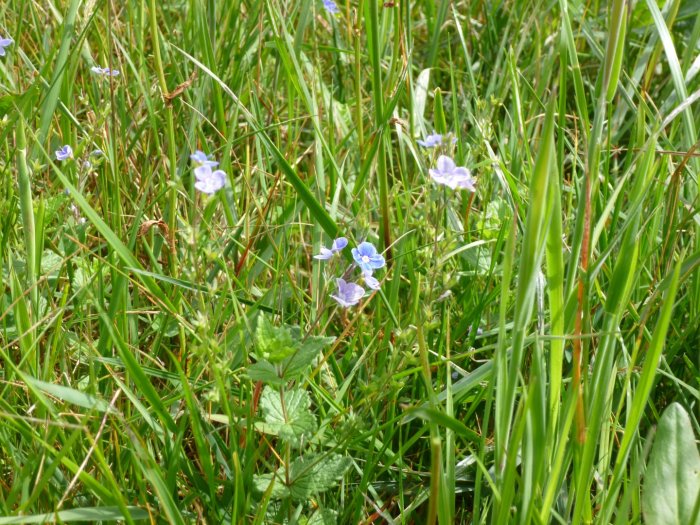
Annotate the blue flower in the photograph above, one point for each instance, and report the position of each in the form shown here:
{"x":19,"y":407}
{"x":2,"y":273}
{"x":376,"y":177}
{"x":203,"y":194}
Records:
{"x":367,"y":258}
{"x":436,"y":139}
{"x":331,"y":7}
{"x":202,"y":159}
{"x":207,"y":181}
{"x":349,"y":294}
{"x":338,"y":245}
{"x":106,"y":72}
{"x":452,"y":176}
{"x":431,"y":141}
{"x":371,"y":282}
{"x":4,"y":42}
{"x":66,"y":152}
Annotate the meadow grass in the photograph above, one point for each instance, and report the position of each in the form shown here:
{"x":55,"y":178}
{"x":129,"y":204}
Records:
{"x":525,"y":339}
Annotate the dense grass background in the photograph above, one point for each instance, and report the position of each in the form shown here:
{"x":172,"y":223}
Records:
{"x":525,"y":341}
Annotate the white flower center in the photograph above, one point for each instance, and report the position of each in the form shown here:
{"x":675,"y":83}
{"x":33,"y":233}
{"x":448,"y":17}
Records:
{"x":365,"y":259}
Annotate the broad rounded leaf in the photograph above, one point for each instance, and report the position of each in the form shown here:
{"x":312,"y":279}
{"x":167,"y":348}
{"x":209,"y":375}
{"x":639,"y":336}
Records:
{"x":672,"y":480}
{"x":291,"y":420}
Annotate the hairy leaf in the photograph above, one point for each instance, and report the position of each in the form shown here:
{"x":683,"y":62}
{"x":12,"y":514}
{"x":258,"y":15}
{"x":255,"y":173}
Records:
{"x":289,"y":417}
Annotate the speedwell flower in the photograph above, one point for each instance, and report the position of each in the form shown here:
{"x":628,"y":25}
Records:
{"x":202,"y":159}
{"x":4,"y":43}
{"x":331,"y":7}
{"x":431,"y":141}
{"x":66,"y":152}
{"x":337,"y":246}
{"x":348,"y":294}
{"x":105,"y":71}
{"x":208,"y":181}
{"x":367,"y":258}
{"x":436,"y":139}
{"x":449,"y":174}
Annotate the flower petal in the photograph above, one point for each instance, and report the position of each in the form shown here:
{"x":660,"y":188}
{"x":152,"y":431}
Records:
{"x":438,"y":177}
{"x":371,"y":282}
{"x":445,"y":164}
{"x":342,"y":302}
{"x":202,"y":172}
{"x":376,"y":262}
{"x":366,"y":248}
{"x":324,"y":255}
{"x":339,"y":244}
{"x":461,"y":172}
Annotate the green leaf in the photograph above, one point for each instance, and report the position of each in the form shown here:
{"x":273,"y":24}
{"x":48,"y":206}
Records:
{"x":440,"y":418}
{"x":274,"y":343}
{"x":91,"y":514}
{"x":282,"y":356}
{"x":7,"y":102}
{"x":288,"y":417}
{"x":321,"y":517}
{"x":672,"y":481}
{"x":265,"y":372}
{"x":307,"y":476}
{"x":72,"y":396}
{"x":279,"y":490}
{"x":314,"y":473}
{"x":297,"y":363}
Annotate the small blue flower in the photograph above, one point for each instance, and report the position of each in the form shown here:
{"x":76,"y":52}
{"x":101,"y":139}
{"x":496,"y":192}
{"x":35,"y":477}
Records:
{"x":105,"y":71}
{"x":349,"y":294}
{"x":66,"y":152}
{"x":202,"y":159}
{"x":431,"y":141}
{"x":331,"y":7}
{"x":4,"y":42}
{"x":367,"y":258}
{"x":435,"y":139}
{"x":338,"y":245}
{"x":452,"y":176}
{"x":207,"y":181}
{"x":370,"y":281}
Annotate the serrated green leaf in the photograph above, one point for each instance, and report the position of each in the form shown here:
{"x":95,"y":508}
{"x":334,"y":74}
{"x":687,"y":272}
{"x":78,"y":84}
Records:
{"x":672,"y":480}
{"x":315,"y":473}
{"x":307,"y":476}
{"x":274,"y":343}
{"x":298,"y":362}
{"x":265,"y":372}
{"x":321,"y":517}
{"x":279,"y":490}
{"x":290,"y":416}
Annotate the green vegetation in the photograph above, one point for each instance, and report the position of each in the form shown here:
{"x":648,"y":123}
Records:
{"x":172,"y":352}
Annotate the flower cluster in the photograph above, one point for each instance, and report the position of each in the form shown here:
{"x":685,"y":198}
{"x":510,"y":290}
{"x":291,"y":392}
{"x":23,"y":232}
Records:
{"x":366,"y":258}
{"x":208,"y":181}
{"x":447,"y":172}
{"x":105,"y":71}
